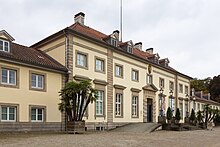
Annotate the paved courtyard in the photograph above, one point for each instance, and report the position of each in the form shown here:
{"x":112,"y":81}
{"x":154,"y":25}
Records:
{"x":200,"y":138}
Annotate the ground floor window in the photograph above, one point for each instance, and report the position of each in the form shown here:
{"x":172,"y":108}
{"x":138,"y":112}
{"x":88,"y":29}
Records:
{"x":118,"y":105}
{"x":186,"y":108}
{"x":181,"y":108}
{"x":37,"y":114}
{"x":99,"y":103}
{"x":134,"y":106}
{"x":172,"y":105}
{"x":8,"y":113}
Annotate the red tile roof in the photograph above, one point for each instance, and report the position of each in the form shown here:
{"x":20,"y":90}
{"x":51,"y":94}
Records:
{"x":31,"y":56}
{"x":88,"y":31}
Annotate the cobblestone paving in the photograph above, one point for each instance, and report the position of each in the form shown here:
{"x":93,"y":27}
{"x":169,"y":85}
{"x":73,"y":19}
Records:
{"x":200,"y":138}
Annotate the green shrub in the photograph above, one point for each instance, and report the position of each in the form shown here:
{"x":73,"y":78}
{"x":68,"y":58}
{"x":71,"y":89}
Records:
{"x":177,"y":115}
{"x":200,"y":116}
{"x":169,"y":113}
{"x":193,"y":116}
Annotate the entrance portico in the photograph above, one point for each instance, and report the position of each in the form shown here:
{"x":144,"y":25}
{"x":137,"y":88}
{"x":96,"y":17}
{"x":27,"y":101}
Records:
{"x":149,"y":103}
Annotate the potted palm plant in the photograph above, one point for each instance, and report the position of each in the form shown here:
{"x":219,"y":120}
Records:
{"x":75,"y":98}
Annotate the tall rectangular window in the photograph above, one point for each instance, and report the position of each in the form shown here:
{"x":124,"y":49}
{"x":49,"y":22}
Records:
{"x":134,"y":106}
{"x":161,"y":106}
{"x":171,"y":85}
{"x":8,"y":113}
{"x":161,"y":83}
{"x":172,"y":104}
{"x":4,"y":46}
{"x":186,"y":108}
{"x":134,"y":75}
{"x":118,"y":104}
{"x":180,"y":88}
{"x":37,"y":81}
{"x":37,"y":114}
{"x":181,"y":108}
{"x":99,"y":103}
{"x":81,"y":60}
{"x":99,"y":65}
{"x":186,"y":90}
{"x":8,"y":76}
{"x":149,"y":79}
{"x":118,"y":71}
{"x":198,"y":106}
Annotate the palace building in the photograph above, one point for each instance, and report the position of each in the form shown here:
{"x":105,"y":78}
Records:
{"x":134,"y":84}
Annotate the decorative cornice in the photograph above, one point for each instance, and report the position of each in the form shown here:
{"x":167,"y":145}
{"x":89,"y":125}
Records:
{"x":81,"y":78}
{"x":135,"y":90}
{"x":100,"y":82}
{"x":119,"y":87}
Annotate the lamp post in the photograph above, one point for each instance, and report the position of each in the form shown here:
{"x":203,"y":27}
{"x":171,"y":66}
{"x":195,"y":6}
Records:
{"x":171,"y":97}
{"x":161,"y":96}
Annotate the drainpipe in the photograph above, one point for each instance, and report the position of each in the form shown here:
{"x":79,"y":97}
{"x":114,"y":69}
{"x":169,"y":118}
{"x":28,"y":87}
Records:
{"x":67,"y":74}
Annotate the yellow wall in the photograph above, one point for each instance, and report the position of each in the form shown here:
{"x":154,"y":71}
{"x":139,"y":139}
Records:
{"x":25,"y":97}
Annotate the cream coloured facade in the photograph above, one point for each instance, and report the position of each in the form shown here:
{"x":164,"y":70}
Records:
{"x":127,"y":94}
{"x":29,"y":91}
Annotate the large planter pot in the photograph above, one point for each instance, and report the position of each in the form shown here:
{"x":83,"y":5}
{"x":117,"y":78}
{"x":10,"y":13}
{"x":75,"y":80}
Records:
{"x":75,"y":126}
{"x":162,"y":119}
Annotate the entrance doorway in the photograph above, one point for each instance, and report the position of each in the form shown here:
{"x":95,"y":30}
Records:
{"x":149,"y":110}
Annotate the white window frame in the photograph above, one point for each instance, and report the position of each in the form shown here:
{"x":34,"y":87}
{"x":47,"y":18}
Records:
{"x":134,"y":75}
{"x":81,"y":59}
{"x":15,"y":114}
{"x":118,"y":71}
{"x":118,"y":105}
{"x":4,"y":42}
{"x":100,"y":103}
{"x":37,"y":81}
{"x":37,"y":120}
{"x":149,"y":79}
{"x":134,"y":106}
{"x":8,"y":76}
{"x":99,"y":65}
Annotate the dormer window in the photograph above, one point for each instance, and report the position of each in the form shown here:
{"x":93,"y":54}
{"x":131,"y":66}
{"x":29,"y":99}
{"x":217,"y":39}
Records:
{"x":113,"y":42}
{"x":129,"y":49}
{"x":4,"y":46}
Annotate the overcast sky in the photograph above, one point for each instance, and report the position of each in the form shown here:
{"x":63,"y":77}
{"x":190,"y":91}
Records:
{"x":185,"y":31}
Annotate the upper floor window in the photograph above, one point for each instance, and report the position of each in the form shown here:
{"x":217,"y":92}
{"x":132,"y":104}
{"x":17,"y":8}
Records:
{"x":171,"y":85}
{"x":186,"y":90}
{"x":8,"y":113}
{"x":113,"y":42}
{"x":134,"y":75}
{"x":129,"y":49}
{"x":99,"y":65}
{"x":37,"y":81}
{"x":180,"y":88}
{"x":81,"y":60}
{"x":4,"y":46}
{"x":8,"y":76}
{"x":161,"y":83}
{"x":119,"y":71}
{"x":149,"y":79}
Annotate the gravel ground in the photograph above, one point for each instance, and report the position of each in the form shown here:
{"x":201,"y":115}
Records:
{"x":199,"y":138}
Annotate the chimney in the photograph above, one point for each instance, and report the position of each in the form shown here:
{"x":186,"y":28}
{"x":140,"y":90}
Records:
{"x":150,"y":50}
{"x":116,"y":34}
{"x":79,"y":18}
{"x":138,"y":45}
